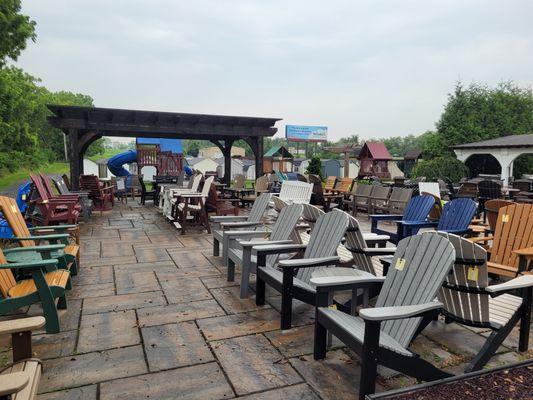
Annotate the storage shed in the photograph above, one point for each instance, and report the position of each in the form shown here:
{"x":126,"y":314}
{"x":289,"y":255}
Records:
{"x":374,"y":159}
{"x":278,"y":158}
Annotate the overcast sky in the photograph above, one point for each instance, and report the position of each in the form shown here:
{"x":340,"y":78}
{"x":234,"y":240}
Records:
{"x":373,"y":68}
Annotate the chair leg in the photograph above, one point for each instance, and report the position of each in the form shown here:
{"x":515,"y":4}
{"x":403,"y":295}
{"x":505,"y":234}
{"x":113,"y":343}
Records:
{"x":286,"y":300}
{"x":525,"y":319}
{"x":231,"y":270}
{"x":320,"y":344}
{"x":369,"y":360}
{"x":245,"y":272}
{"x":62,"y":303}
{"x":260,"y":290}
{"x":216,"y":247}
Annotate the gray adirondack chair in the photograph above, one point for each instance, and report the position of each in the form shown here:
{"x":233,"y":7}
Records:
{"x":469,"y":299}
{"x":292,"y":279}
{"x":405,"y":305}
{"x":379,"y":198}
{"x":223,"y":223}
{"x":361,"y":198}
{"x":240,"y":249}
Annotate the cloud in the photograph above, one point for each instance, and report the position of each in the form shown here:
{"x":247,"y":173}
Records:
{"x":376,"y":68}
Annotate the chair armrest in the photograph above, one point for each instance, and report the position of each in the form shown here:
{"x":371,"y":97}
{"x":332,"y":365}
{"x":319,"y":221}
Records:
{"x":13,"y":383}
{"x":228,"y":218}
{"x":52,"y":227}
{"x":192,"y":195}
{"x":527,"y":252}
{"x":399,"y":312}
{"x":234,"y":235}
{"x":21,"y":325}
{"x":277,"y":249}
{"x":520,"y":282}
{"x":39,"y":249}
{"x":252,"y":243}
{"x":390,"y":217}
{"x":481,"y":239}
{"x":37,"y":264}
{"x":355,"y":278}
{"x":373,"y":251}
{"x":229,"y":225}
{"x":309,"y":262}
{"x":419,"y":224}
{"x":41,"y":237}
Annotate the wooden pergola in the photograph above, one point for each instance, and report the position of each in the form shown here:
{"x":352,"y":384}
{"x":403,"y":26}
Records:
{"x":84,"y":125}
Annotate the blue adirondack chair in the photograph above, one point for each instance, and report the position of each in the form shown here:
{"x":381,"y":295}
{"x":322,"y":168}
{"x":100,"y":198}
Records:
{"x":456,"y":217}
{"x":417,"y":210}
{"x":281,"y":176}
{"x":291,"y":176}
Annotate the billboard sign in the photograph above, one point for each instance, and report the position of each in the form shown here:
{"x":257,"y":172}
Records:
{"x":302,"y":133}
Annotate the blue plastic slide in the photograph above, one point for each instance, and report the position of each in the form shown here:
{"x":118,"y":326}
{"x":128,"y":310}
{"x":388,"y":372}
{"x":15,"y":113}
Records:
{"x":115,"y":163}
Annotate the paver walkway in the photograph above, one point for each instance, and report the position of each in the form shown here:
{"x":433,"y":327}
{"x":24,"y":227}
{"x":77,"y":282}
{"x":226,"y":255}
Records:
{"x":151,"y":315}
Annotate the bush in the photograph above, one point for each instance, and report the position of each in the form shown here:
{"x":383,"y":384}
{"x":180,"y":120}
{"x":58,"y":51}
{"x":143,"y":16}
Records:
{"x":314,"y":167}
{"x":441,"y":168}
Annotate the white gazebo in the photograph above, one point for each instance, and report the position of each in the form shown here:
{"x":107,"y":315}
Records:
{"x":504,"y":149}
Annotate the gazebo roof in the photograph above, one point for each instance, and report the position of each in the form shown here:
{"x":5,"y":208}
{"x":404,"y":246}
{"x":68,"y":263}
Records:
{"x":504,"y":141}
{"x":377,"y":151}
{"x":278,"y":151}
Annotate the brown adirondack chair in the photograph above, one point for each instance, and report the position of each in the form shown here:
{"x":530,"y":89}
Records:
{"x":53,"y":209}
{"x":26,"y":237}
{"x":514,"y":231}
{"x":436,"y":211}
{"x":330,"y":184}
{"x":101,"y":196}
{"x":261,"y":186}
{"x":343,"y":185}
{"x":221,"y":206}
{"x":491,"y":211}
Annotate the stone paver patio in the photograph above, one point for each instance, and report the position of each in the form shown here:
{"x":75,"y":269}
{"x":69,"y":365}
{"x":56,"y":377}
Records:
{"x":151,"y":315}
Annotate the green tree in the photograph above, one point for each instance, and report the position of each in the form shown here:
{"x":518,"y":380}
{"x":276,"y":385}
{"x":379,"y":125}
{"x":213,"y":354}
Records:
{"x":15,"y":30}
{"x":314,"y":167}
{"x":441,"y":168}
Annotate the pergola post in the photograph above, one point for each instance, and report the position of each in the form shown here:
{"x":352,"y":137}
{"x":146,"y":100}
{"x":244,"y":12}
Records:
{"x":228,"y":144}
{"x":74,"y":158}
{"x":258,"y":152}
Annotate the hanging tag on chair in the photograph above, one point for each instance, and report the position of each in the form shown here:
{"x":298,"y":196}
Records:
{"x":400,"y":264}
{"x":473,"y":273}
{"x":505,"y":217}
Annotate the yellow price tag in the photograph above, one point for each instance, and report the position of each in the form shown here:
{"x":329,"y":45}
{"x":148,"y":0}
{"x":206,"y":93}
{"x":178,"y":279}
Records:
{"x":473,"y":273}
{"x":400,"y":264}
{"x":333,"y":306}
{"x":505,"y":217}
{"x":14,"y":209}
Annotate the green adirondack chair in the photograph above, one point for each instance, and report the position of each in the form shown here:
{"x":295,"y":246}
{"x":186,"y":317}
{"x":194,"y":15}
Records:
{"x":68,"y":255}
{"x":47,"y":283}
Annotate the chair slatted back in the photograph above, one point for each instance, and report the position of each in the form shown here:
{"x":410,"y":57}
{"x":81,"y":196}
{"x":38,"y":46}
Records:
{"x":279,"y":204}
{"x":239,"y":181}
{"x":491,"y":210}
{"x":514,"y":230}
{"x":181,"y":178}
{"x":398,"y":206}
{"x":344,"y":185}
{"x":380,"y":195}
{"x":296,"y":192}
{"x":467,"y":306}
{"x":207,"y":186}
{"x":283,"y":229}
{"x":468,"y":189}
{"x":66,"y":179}
{"x":15,"y":220}
{"x":418,"y":269}
{"x":47,"y":182}
{"x":457,"y":214}
{"x":61,"y":186}
{"x":91,"y":184}
{"x":363,"y":193}
{"x":436,"y":210}
{"x":38,"y":184}
{"x":261,"y":185}
{"x":194,"y":182}
{"x":418,"y":208}
{"x":355,"y":240}
{"x":7,"y":280}
{"x":330,"y":183}
{"x":310,"y":215}
{"x":488,"y":189}
{"x":302,"y":177}
{"x":325,"y":238}
{"x":259,"y":207}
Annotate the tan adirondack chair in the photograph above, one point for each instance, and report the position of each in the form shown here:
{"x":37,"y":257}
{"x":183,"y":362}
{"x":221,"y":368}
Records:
{"x":514,"y":231}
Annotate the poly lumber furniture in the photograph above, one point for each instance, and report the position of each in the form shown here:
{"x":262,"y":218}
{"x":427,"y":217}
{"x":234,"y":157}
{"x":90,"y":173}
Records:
{"x":417,"y":210}
{"x":469,"y":299}
{"x":491,"y":211}
{"x":361,"y":198}
{"x":145,"y":193}
{"x":455,"y":218}
{"x":379,"y":198}
{"x":220,"y":224}
{"x":396,"y":203}
{"x":405,"y":305}
{"x":292,"y":277}
{"x":172,"y":192}
{"x":330,"y":184}
{"x":86,"y":203}
{"x":296,"y":192}
{"x":221,"y":206}
{"x":193,"y":204}
{"x":261,"y":186}
{"x":514,"y":231}
{"x":102,"y":197}
{"x":240,"y":249}
{"x":29,"y":237}
{"x":20,"y":380}
{"x":488,"y":190}
{"x":43,"y":287}
{"x":54,"y":209}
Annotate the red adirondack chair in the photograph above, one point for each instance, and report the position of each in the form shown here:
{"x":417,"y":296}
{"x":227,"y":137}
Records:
{"x":221,"y":206}
{"x":47,"y":182}
{"x":101,"y":196}
{"x":54,"y":209}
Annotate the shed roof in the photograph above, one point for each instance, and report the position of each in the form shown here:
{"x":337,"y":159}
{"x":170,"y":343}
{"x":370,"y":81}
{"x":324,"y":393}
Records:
{"x":413,"y":154}
{"x":377,"y":151}
{"x":279,"y":151}
{"x":504,"y":141}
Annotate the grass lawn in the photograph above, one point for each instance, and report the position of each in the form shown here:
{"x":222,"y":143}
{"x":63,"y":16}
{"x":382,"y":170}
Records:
{"x":24,"y":174}
{"x":107,"y":154}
